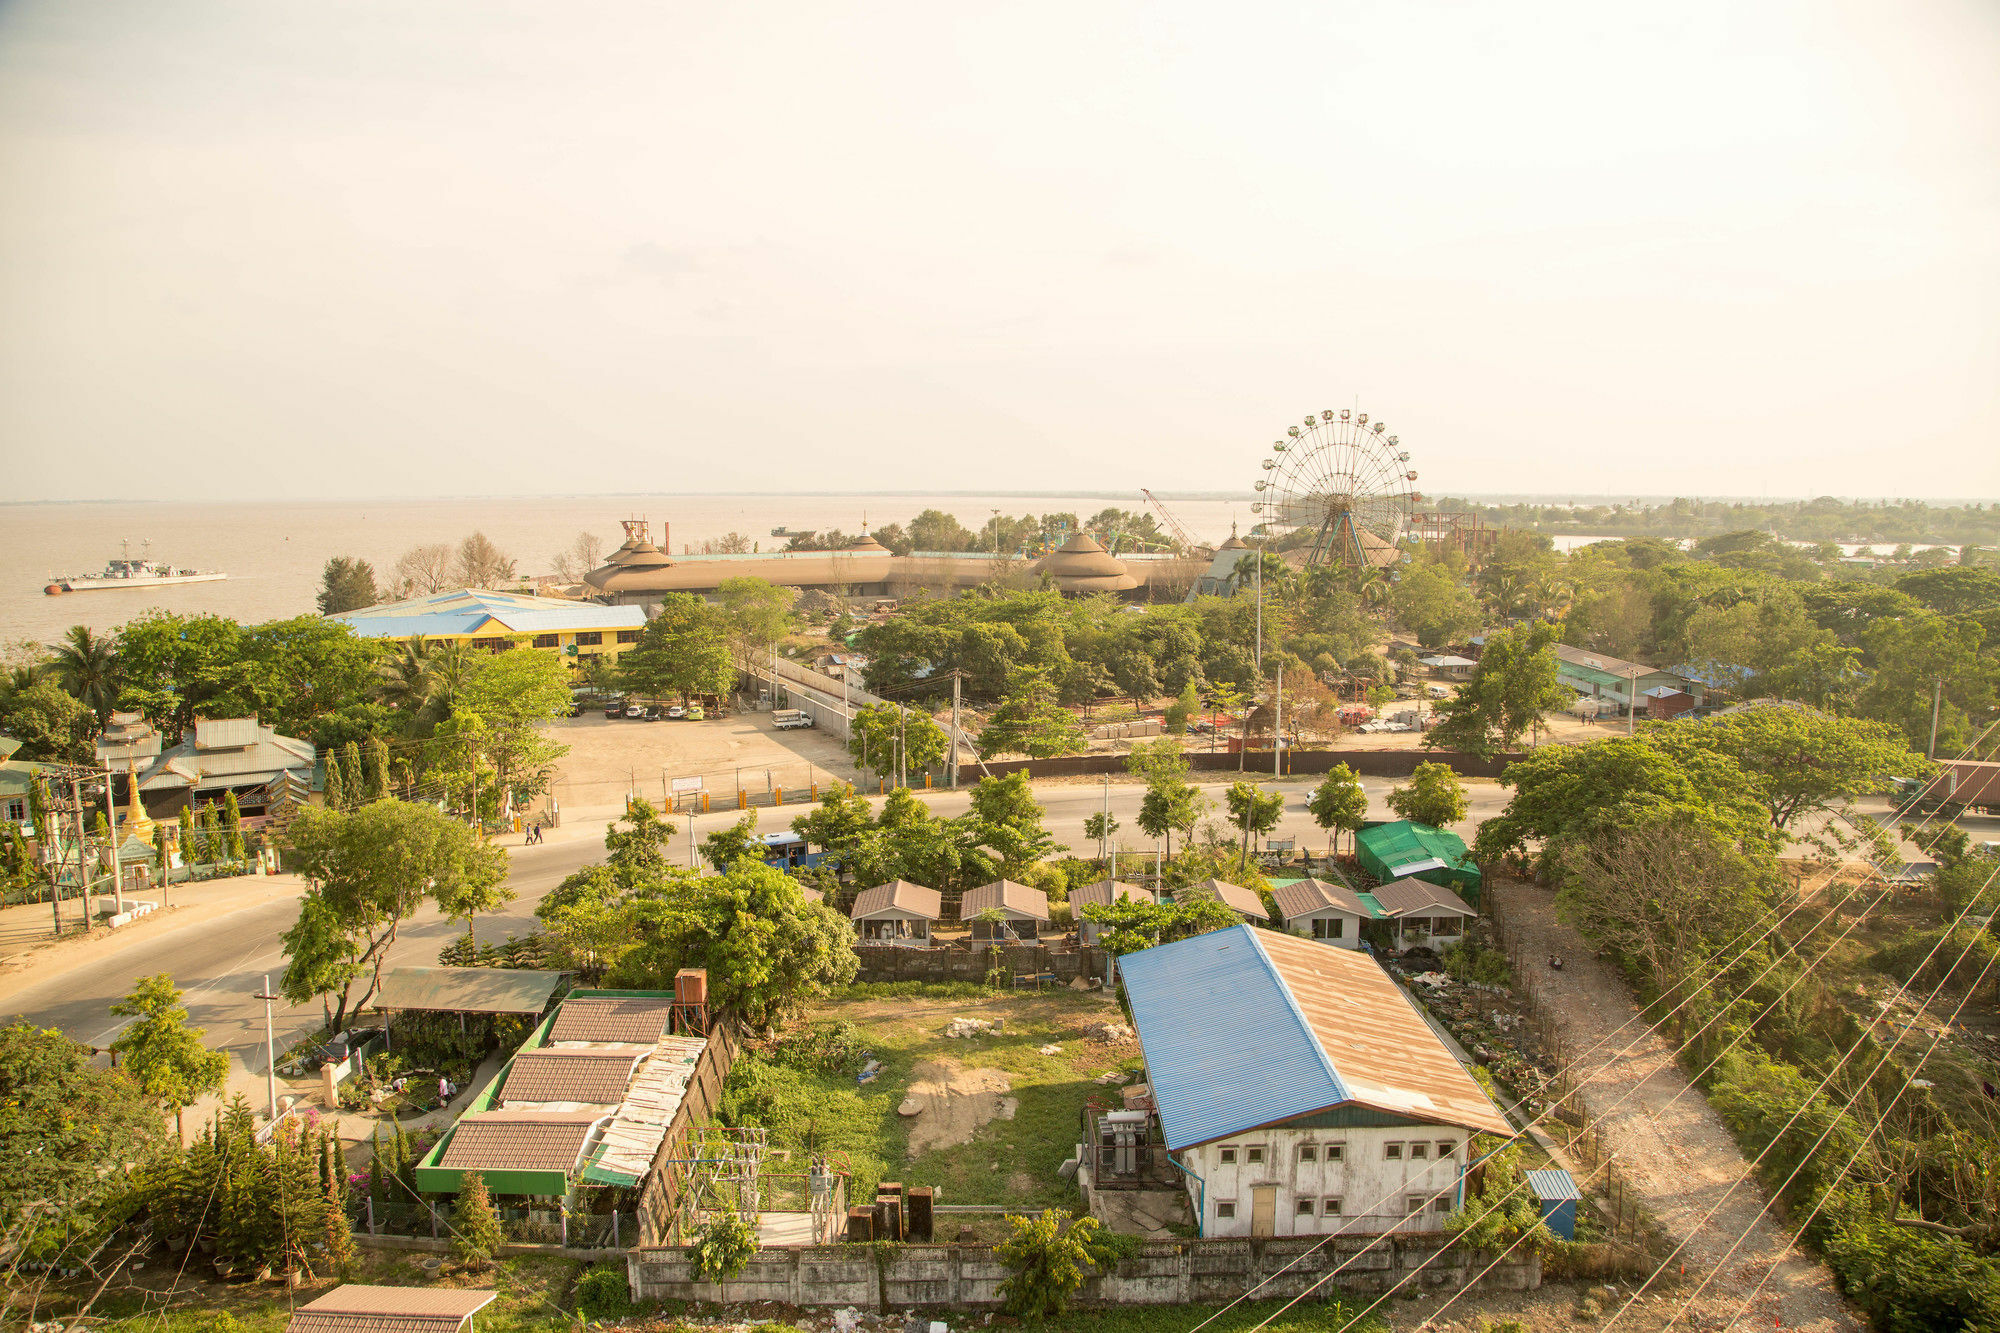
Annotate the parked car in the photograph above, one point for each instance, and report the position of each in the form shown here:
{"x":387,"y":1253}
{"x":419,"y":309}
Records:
{"x":657,"y":713}
{"x":676,"y":712}
{"x":616,"y":708}
{"x":635,"y":711}
{"x":786,"y":719}
{"x":694,"y":713}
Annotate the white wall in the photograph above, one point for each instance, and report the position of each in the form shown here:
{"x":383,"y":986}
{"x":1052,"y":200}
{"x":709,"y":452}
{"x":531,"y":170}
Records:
{"x":1371,"y":1186}
{"x":1350,"y":929}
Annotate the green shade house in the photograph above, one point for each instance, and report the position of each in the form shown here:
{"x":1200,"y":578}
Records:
{"x":1408,"y":850}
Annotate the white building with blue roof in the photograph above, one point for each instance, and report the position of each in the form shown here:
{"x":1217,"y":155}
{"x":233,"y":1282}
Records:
{"x":1298,"y":1088}
{"x":499,"y":621}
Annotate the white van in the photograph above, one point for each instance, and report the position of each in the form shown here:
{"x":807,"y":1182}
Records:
{"x":787,"y":719}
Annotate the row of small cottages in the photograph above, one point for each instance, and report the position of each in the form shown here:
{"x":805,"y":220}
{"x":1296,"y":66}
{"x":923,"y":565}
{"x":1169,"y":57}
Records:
{"x":1415,"y":912}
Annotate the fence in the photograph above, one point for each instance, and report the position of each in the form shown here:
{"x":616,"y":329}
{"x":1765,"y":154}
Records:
{"x":659,"y":1201}
{"x":1207,"y":1272}
{"x":902,"y":963}
{"x":1367,"y":763}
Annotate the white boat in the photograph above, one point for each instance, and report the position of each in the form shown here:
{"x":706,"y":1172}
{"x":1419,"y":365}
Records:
{"x":125,"y":572}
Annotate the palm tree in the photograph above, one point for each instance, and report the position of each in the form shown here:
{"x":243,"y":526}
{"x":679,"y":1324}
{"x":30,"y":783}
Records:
{"x":405,"y":682}
{"x":87,"y":666}
{"x":451,"y":666}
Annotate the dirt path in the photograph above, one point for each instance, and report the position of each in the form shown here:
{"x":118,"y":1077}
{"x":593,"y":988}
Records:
{"x":949,"y":1103}
{"x":1670,"y":1144}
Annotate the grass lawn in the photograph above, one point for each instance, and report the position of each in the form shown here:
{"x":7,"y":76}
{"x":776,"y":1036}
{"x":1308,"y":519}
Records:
{"x":1009,"y":1162}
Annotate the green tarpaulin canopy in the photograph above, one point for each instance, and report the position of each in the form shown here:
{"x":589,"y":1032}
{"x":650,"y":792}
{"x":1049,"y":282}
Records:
{"x":1409,"y":850}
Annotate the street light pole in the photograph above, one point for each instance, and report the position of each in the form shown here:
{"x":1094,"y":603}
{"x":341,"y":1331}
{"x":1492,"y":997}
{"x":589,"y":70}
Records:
{"x":270,"y":1048}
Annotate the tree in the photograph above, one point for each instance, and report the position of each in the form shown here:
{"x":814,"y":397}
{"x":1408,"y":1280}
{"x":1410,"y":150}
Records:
{"x":162,"y":1054}
{"x":1926,"y":664}
{"x":1182,"y":708}
{"x":374,"y":866}
{"x":87,"y":666}
{"x":1253,"y":810}
{"x":423,"y":570}
{"x":1434,"y":796}
{"x":882,"y":734}
{"x":841,"y":816}
{"x":1512,"y":689}
{"x":1099,"y":828}
{"x":52,"y":725}
{"x":759,"y":611}
{"x":319,"y":957}
{"x":1802,"y":763}
{"x":346,"y":585}
{"x":334,"y":790}
{"x":935,"y":530}
{"x":478,"y":563}
{"x":637,"y":852}
{"x":1338,"y":804}
{"x":1005,"y":817}
{"x":475,"y":1228}
{"x":176,"y":666}
{"x":1030,"y":720}
{"x":725,"y":847}
{"x":511,"y":695}
{"x":1431,"y":603}
{"x":1171,"y":805}
{"x":581,"y":556}
{"x":683,"y":651}
{"x":768,"y":951}
{"x":1047,"y":1257}
{"x":303,"y":672}
{"x":67,"y":1131}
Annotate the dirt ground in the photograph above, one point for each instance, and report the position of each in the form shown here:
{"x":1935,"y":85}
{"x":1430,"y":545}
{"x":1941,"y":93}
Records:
{"x":947,"y":1103}
{"x":609,"y":758}
{"x":1671,"y":1146}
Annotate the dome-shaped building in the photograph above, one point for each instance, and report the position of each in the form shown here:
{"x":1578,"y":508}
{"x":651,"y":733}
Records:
{"x":1081,"y":566}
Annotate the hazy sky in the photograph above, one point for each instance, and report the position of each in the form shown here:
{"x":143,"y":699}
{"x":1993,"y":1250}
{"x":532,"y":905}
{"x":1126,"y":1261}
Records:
{"x":274,"y":247}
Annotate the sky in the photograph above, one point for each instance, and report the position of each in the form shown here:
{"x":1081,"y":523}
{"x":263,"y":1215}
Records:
{"x":280,"y":248}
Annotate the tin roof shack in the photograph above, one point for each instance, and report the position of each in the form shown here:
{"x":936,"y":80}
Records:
{"x":1246,"y":903}
{"x":417,"y":1001}
{"x":216,"y":755}
{"x":1102,"y":894}
{"x":1664,"y":703}
{"x":1014,"y":913}
{"x":1327,"y":912}
{"x":1300,"y":1089}
{"x":1404,"y":848}
{"x":355,"y":1308}
{"x":1421,"y":915}
{"x":1613,"y":680}
{"x":579,"y":1113}
{"x":898,"y":912}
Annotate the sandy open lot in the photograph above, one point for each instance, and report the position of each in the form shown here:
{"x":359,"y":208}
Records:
{"x":609,"y":758}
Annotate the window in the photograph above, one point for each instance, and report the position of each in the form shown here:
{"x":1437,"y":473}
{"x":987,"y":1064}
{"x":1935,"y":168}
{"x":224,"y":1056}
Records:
{"x":1392,"y":1152}
{"x":493,"y":645}
{"x":1254,"y":1156}
{"x":589,"y":638}
{"x":1446,"y":1148}
{"x":1331,"y":1208}
{"x":545,"y":641}
{"x":1308,"y":1152}
{"x":1226,"y":1210}
{"x":1419,"y":1151}
{"x":1324,"y":929}
{"x":1412,"y":1204}
{"x":1227,"y":1157}
{"x":1336,"y":1152}
{"x":1304,"y":1208}
{"x":17,"y":812}
{"x":1441,"y":1204}
{"x":628,"y":636}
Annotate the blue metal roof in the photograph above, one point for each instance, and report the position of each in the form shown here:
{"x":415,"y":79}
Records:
{"x":465,"y":612}
{"x":1227,"y":1047}
{"x":1553,"y":1186}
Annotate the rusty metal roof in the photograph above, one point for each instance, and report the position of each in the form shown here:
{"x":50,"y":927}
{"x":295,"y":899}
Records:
{"x":1302,"y":897}
{"x":519,"y":1140}
{"x":1245,"y":1027}
{"x":1006,"y":895}
{"x":633,"y":1018}
{"x":356,"y":1308}
{"x":593,"y":1075}
{"x":467,"y":990}
{"x":1247,"y":902}
{"x":1104,"y":892}
{"x":1400,"y":897}
{"x":901,"y":896}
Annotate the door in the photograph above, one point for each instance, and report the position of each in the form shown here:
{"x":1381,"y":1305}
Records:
{"x":1263,"y":1209}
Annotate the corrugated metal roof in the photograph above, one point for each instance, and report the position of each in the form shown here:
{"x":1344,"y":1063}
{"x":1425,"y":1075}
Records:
{"x":1302,"y":897}
{"x":898,"y":895}
{"x":1400,"y":897}
{"x":1248,"y":902}
{"x":1243,"y":1027}
{"x":358,"y":1298}
{"x":1553,"y":1185}
{"x":224,"y":733}
{"x":591,"y":1075}
{"x":1007,"y":896}
{"x":519,"y":1140}
{"x":1104,"y":891}
{"x":467,"y":990}
{"x":467,"y":611}
{"x":633,"y":1018}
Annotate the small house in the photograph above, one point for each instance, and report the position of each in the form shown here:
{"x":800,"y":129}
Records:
{"x":1403,"y":847}
{"x":1246,"y":903}
{"x":898,"y":912}
{"x":1556,"y":1196}
{"x":1321,"y":910}
{"x":1663,"y":703}
{"x":1449,"y":666}
{"x":1102,"y":894}
{"x":1298,"y":1088}
{"x":1023,"y":913}
{"x":1614,"y":681}
{"x":1421,"y":914}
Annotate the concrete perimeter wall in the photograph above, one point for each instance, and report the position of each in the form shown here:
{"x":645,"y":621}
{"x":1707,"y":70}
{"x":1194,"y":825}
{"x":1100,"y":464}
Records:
{"x":1367,"y":763}
{"x":1162,"y":1273}
{"x":894,"y":963}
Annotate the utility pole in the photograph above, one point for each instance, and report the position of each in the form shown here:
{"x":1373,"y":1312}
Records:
{"x":270,"y":1048}
{"x":1278,"y":721}
{"x":111,"y":823}
{"x":82,"y":843}
{"x":1937,"y":698}
{"x":1105,"y":841}
{"x":954,"y":731}
{"x":1632,"y":704}
{"x":691,"y":862}
{"x":902,"y":756}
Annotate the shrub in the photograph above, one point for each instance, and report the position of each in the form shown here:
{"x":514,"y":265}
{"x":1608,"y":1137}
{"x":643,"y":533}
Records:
{"x":1921,"y":957}
{"x":475,"y":1227}
{"x":604,"y":1292}
{"x":1047,"y":1260}
{"x":829,"y":1046}
{"x":723,"y":1246}
{"x":1475,"y":963}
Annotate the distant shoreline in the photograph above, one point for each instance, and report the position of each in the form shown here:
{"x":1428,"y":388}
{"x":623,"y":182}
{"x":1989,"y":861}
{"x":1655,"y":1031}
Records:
{"x":1492,"y":497}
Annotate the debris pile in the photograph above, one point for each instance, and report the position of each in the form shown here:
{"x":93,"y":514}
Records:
{"x":962,"y":1028}
{"x":1108,"y":1032}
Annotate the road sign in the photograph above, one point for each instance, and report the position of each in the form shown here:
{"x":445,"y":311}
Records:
{"x":684,"y":786}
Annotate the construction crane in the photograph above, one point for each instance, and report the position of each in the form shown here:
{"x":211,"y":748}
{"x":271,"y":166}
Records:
{"x":1181,"y":534}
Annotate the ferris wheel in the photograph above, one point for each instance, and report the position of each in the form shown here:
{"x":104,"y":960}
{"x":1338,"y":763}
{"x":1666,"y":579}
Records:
{"x":1345,"y":481}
